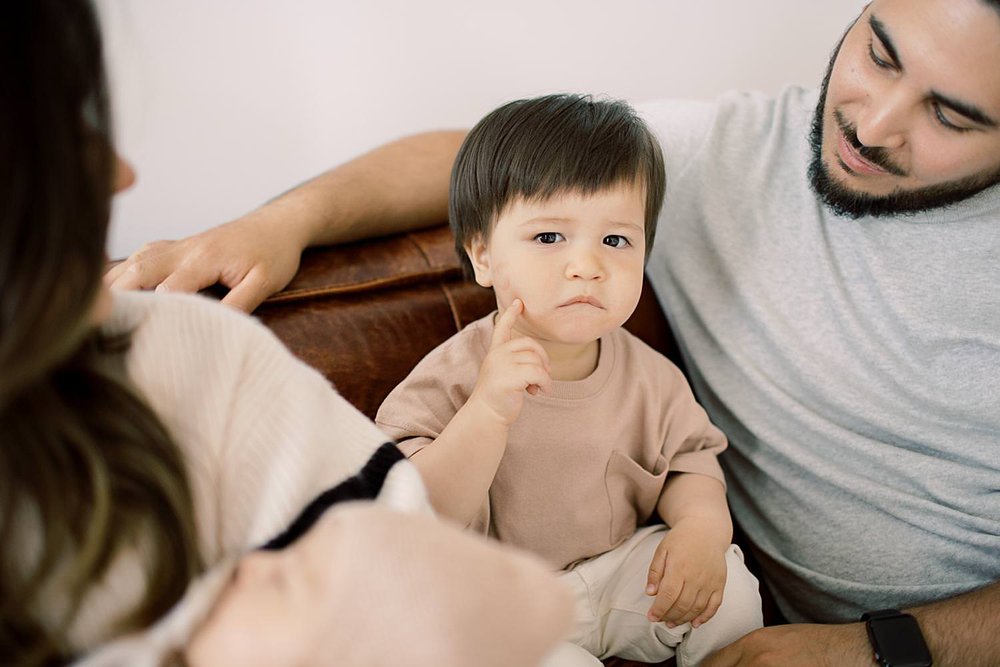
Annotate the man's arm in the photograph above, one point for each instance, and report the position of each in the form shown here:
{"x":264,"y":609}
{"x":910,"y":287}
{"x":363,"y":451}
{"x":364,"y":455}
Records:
{"x":400,"y":186}
{"x":960,"y":632}
{"x":964,"y":630}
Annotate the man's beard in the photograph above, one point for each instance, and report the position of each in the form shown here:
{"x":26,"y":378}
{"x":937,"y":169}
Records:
{"x":854,"y":204}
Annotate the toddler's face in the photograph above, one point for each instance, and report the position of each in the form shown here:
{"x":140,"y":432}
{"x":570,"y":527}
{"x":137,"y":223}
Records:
{"x":575,"y":260}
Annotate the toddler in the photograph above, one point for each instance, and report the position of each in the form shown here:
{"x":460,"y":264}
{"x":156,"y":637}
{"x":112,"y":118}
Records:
{"x":545,"y":424}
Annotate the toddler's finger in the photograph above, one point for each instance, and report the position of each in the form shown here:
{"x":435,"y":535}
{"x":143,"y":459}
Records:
{"x":696,"y":608}
{"x":537,"y":379}
{"x":681,"y":610}
{"x":505,"y":323}
{"x":529,"y":344}
{"x":666,"y":597}
{"x":656,"y":569}
{"x":714,"y":602}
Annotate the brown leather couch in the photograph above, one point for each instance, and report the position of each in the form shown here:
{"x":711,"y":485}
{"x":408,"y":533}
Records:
{"x":365,"y":314}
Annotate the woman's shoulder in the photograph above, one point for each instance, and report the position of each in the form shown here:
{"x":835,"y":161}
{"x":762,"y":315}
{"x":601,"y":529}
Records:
{"x":183,"y":315}
{"x":187,"y":329}
{"x":187,"y":351}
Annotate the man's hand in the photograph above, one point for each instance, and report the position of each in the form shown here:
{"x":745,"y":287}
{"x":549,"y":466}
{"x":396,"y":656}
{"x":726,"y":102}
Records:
{"x":253,"y":257}
{"x":687,"y":574}
{"x":798,"y":646}
{"x":512,"y":367}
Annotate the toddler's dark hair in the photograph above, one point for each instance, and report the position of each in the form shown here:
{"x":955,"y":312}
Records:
{"x":539,"y":147}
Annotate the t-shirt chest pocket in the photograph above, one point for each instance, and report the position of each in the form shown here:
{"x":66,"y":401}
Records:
{"x":632,"y":492}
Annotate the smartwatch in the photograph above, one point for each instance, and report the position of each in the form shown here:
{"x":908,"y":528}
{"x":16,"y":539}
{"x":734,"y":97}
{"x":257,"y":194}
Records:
{"x":897,"y":639}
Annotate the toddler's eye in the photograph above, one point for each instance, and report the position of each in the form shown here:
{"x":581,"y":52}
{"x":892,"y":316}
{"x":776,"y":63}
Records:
{"x":548,"y":238}
{"x":616,"y":241}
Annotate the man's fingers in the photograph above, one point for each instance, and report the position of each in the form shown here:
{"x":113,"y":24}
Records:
{"x":112,"y":274}
{"x":505,"y":324}
{"x":144,"y":253}
{"x":186,"y":279}
{"x":249,"y":293}
{"x":144,"y":270}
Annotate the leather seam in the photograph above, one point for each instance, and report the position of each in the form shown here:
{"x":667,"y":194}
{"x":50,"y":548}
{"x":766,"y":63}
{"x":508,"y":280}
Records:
{"x":363,"y":286}
{"x":420,"y":249}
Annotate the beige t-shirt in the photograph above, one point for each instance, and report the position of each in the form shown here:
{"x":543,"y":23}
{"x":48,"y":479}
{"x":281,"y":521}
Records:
{"x":586,"y":463}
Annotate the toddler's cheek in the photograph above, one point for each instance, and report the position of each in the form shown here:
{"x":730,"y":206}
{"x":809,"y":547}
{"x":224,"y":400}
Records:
{"x":503,"y":284}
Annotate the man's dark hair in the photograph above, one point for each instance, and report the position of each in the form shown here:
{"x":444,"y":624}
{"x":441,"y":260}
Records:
{"x":536,"y":148}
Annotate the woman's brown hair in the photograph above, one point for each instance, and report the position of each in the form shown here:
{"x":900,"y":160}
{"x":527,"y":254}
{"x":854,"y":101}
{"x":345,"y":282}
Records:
{"x":87,"y":470}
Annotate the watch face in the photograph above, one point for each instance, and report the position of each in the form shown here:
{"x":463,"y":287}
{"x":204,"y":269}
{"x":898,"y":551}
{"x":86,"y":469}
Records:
{"x":899,"y":642}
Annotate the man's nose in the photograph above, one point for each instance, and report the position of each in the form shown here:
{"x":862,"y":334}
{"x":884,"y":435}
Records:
{"x":884,"y":122}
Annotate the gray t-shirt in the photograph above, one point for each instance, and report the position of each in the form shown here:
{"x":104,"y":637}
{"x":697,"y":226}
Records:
{"x":854,"y":364}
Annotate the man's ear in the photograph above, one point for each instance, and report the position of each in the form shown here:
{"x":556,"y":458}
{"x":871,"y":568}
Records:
{"x":478,"y":252}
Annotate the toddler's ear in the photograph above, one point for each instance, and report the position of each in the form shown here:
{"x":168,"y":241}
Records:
{"x":478,"y":251}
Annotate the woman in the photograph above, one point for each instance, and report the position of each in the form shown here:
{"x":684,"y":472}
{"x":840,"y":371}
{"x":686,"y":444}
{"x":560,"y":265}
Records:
{"x":143,"y":439}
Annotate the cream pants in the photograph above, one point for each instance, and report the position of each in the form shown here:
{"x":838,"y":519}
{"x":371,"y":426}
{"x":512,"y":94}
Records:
{"x":611,"y":606}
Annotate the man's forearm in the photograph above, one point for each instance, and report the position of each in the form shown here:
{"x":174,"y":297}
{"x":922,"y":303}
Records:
{"x":965,"y":630}
{"x":396,"y":187}
{"x":960,"y":632}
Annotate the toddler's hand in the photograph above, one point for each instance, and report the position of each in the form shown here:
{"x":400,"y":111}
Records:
{"x":687,"y":576}
{"x":512,"y":367}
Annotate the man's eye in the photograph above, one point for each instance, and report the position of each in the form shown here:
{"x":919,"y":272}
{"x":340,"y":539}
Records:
{"x":943,"y":120}
{"x":879,"y":62}
{"x":548,"y":238}
{"x":616,"y":241}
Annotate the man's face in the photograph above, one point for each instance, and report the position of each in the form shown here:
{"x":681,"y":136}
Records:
{"x":909,"y":115}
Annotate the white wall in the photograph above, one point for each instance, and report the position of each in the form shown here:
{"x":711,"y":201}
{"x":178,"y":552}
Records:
{"x":221,"y":104}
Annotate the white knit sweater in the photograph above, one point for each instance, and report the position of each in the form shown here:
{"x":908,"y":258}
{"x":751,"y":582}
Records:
{"x":262,"y":433}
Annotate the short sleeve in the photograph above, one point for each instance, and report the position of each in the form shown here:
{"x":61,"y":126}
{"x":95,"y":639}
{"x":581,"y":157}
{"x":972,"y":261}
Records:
{"x":693,"y":443}
{"x":417,"y":411}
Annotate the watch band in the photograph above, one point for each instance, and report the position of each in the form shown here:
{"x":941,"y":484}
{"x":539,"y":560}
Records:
{"x":896,"y":639}
{"x":882,"y":613}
